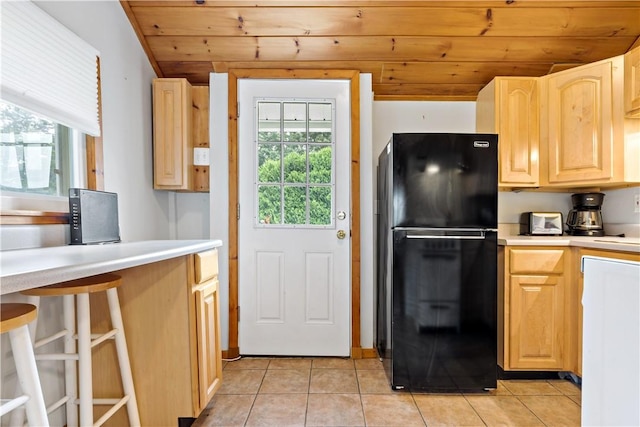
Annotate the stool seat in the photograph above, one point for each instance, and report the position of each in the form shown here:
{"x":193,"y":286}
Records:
{"x":14,"y":318}
{"x":14,"y":315}
{"x":88,"y":285}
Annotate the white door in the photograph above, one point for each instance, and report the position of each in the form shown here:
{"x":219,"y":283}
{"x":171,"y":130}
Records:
{"x":294,"y":269}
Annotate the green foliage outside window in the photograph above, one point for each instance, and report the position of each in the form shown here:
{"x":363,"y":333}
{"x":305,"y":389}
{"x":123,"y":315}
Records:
{"x":298,"y":182}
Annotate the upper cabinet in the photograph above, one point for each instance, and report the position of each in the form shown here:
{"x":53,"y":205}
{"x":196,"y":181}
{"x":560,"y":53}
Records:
{"x":580,"y":123}
{"x":180,"y":124}
{"x":632,"y":83}
{"x":509,"y":107}
{"x":585,"y":139}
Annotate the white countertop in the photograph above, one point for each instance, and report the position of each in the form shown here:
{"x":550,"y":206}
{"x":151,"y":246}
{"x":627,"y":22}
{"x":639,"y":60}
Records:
{"x":31,"y":268}
{"x":608,"y":243}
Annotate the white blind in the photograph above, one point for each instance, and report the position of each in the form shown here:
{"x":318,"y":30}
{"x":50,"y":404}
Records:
{"x":46,"y":68}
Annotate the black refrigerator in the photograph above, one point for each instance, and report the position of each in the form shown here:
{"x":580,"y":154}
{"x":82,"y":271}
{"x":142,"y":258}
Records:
{"x":436,"y":287}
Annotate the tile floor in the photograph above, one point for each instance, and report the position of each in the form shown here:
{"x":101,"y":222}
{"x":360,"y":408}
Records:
{"x":346,"y":392}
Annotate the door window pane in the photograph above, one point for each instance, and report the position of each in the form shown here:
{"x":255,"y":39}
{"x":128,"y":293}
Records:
{"x":269,"y":121}
{"x":320,"y":205}
{"x":320,"y":160}
{"x":320,"y":122}
{"x":295,"y":122}
{"x":269,"y":204}
{"x":269,"y":167}
{"x":295,"y":163}
{"x":295,"y":205}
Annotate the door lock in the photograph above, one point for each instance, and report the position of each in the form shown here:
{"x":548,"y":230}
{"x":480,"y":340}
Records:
{"x":341,"y":234}
{"x":342,"y":215}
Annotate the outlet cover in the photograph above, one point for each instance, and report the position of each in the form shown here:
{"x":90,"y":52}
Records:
{"x":201,"y":156}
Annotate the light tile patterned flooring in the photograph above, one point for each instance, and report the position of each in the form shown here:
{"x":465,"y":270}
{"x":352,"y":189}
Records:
{"x":346,"y":392}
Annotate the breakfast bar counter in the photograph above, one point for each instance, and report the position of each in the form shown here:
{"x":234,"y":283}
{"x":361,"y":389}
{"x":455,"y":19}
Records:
{"x":30,"y":268}
{"x":169,"y":298}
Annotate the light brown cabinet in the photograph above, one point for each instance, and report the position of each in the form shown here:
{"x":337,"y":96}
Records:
{"x":575,"y":321}
{"x":532,"y":307}
{"x":509,"y":107}
{"x":170,"y":311}
{"x":180,"y":124}
{"x":585,"y":138}
{"x":632,"y":83}
{"x":207,"y":326}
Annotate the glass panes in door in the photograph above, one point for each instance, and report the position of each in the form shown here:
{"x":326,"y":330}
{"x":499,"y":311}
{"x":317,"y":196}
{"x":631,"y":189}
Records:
{"x":295,"y":162}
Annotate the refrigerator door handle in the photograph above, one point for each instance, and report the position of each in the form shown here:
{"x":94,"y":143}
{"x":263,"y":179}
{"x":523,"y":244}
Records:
{"x":423,"y":236}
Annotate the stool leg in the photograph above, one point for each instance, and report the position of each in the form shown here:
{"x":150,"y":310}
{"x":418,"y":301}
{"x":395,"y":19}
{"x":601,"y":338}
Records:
{"x":84,"y":360}
{"x":123,"y":357}
{"x":17,"y":415}
{"x":70,"y":367}
{"x":28,"y":376}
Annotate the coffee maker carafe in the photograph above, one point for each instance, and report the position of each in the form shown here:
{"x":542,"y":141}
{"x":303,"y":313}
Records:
{"x":585,"y":219}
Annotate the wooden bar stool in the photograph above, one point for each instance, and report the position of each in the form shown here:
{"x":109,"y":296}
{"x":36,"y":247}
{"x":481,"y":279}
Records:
{"x":76,"y":293}
{"x":14,"y":319}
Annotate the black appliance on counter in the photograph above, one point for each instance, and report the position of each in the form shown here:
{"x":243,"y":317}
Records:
{"x":93,"y":217}
{"x":436,"y":289}
{"x":585,"y":219}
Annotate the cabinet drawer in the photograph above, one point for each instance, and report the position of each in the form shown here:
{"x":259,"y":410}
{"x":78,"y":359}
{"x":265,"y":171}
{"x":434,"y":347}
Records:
{"x":206,"y":265}
{"x":536,"y":261}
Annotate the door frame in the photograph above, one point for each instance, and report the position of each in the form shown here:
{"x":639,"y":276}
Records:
{"x":354,"y":77}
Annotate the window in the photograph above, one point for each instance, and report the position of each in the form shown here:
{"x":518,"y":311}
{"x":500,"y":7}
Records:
{"x":38,"y":155}
{"x":294,"y":159}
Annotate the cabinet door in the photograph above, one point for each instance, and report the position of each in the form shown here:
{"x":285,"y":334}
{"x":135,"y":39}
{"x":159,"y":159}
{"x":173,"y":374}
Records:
{"x":509,"y":107}
{"x":632,"y":83}
{"x":208,"y":333}
{"x":580,"y":123}
{"x":171,"y":133}
{"x":519,"y":131}
{"x":536,"y":324}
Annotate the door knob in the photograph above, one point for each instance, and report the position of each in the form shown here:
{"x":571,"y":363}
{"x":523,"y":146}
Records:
{"x":341,"y":234}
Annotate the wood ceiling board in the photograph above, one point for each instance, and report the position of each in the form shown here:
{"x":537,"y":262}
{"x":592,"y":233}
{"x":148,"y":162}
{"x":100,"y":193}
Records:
{"x":454,"y":49}
{"x":404,"y":89}
{"x":463,"y":72}
{"x":388,"y":3}
{"x":397,"y":21}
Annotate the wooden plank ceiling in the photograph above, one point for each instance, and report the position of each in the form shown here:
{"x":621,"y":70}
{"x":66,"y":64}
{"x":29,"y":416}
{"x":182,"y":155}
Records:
{"x":415,"y":50}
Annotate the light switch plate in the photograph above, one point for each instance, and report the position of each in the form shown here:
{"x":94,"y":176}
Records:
{"x":201,"y":156}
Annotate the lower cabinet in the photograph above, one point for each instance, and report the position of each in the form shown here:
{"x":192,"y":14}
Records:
{"x":532,"y":308}
{"x":170,"y":311}
{"x":207,"y":327}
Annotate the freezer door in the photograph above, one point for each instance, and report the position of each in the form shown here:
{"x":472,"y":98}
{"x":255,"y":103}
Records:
{"x":444,"y":310}
{"x":444,"y":180}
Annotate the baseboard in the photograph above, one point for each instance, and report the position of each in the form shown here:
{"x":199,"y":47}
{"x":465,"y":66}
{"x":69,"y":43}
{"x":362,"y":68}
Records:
{"x":369,"y":353}
{"x":232,"y":353}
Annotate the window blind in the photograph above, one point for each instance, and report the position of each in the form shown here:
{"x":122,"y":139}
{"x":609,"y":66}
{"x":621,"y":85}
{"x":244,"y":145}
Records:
{"x":46,"y":68}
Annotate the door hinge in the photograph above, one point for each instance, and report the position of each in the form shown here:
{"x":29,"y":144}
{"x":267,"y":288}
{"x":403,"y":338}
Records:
{"x":238,"y":313}
{"x":238,"y":109}
{"x":238,"y":211}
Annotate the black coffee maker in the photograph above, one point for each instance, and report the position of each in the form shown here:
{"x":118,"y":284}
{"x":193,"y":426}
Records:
{"x":585,"y":219}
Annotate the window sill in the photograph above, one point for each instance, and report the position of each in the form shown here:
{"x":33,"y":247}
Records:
{"x":23,"y":217}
